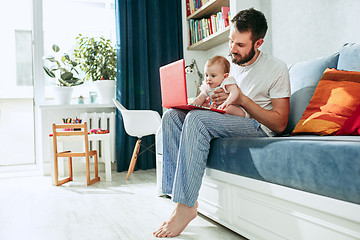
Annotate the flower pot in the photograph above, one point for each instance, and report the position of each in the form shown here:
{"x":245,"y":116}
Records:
{"x":62,"y":95}
{"x":105,"y":90}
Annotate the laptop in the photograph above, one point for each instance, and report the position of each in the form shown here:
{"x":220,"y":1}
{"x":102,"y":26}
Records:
{"x":173,"y":87}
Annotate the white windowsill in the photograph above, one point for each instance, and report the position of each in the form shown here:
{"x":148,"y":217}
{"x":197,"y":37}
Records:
{"x":74,"y":104}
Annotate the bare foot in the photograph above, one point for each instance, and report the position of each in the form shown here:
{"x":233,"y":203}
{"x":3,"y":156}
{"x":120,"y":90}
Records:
{"x":179,"y":219}
{"x":172,"y":214}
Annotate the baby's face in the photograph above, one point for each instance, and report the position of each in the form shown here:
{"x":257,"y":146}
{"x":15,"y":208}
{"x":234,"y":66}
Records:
{"x":214,"y":75}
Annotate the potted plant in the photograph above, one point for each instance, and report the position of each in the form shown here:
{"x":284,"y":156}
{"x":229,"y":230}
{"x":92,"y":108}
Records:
{"x":97,"y":58}
{"x":63,"y":70}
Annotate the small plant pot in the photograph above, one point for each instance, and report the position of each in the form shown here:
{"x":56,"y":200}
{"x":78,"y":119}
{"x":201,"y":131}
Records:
{"x":105,"y":90}
{"x":62,"y":95}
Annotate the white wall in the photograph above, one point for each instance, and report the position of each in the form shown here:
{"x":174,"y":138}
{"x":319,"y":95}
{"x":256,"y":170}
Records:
{"x":299,"y":30}
{"x":306,"y":29}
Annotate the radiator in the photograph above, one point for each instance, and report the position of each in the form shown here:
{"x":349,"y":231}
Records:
{"x":104,"y":121}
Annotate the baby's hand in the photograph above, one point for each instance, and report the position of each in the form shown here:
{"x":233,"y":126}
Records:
{"x":223,"y":106}
{"x":207,"y":102}
{"x":213,"y":105}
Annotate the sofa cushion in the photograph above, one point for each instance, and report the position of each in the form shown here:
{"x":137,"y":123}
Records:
{"x":328,"y":166}
{"x":304,"y":77}
{"x":351,"y":125}
{"x":335,"y":99}
{"x":349,"y":58}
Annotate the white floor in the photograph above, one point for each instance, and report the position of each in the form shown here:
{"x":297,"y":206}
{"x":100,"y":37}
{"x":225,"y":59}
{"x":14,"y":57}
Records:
{"x":31,"y":208}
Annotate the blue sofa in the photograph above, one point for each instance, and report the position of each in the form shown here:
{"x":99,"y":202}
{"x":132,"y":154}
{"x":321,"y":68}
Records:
{"x":324,"y":165}
{"x":288,"y":187}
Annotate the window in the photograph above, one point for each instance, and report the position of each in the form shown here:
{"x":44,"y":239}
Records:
{"x":16,"y":60}
{"x":23,"y":56}
{"x":16,"y":84}
{"x":64,"y":20}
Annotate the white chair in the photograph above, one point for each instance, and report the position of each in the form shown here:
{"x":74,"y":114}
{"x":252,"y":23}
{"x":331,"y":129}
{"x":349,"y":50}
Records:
{"x":138,"y":123}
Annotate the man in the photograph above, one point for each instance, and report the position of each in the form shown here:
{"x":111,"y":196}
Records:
{"x":264,"y":95}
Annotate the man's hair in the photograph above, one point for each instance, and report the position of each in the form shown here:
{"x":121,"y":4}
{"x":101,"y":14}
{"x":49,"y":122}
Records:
{"x":251,"y":20}
{"x":223,"y":62}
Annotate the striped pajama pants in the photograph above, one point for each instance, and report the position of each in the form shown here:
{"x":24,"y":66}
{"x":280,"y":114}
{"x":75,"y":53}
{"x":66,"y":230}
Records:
{"x":186,"y":145}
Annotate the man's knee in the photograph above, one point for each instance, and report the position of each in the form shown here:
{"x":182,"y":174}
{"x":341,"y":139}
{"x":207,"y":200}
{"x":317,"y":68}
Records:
{"x":173,"y":115}
{"x":169,"y":113}
{"x":196,"y":118}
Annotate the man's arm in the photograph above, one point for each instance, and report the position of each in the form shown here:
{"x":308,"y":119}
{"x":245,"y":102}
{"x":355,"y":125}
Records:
{"x":276,"y":119}
{"x":219,"y":96}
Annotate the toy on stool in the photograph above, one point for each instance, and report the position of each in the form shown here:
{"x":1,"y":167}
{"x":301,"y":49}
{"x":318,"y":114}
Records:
{"x":72,"y":121}
{"x":98,"y":131}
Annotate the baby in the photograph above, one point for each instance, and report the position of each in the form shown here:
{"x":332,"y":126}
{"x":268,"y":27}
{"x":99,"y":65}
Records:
{"x":217,"y":76}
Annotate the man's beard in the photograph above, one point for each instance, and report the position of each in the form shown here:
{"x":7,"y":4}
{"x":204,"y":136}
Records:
{"x":244,"y":59}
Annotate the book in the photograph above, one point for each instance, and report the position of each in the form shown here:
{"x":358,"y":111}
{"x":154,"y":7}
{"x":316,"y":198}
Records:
{"x":188,"y":12}
{"x":225,"y":14}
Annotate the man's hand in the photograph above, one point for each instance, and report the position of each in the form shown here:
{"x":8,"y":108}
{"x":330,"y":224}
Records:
{"x":219,"y":96}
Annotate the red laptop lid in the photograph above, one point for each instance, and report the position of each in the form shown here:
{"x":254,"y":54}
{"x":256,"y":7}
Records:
{"x":173,"y":84}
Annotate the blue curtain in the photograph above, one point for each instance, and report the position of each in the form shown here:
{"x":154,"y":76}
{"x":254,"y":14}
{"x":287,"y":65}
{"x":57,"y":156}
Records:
{"x":149,"y":35}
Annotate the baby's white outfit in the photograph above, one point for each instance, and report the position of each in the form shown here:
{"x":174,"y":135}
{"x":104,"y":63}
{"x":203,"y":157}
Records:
{"x":208,"y":91}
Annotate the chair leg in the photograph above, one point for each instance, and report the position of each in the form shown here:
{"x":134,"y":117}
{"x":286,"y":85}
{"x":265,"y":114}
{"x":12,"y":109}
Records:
{"x":56,"y":169}
{"x":96,"y":178}
{"x":70,"y":169}
{"x":87,"y":169}
{"x":96,"y":166}
{"x":134,"y":158}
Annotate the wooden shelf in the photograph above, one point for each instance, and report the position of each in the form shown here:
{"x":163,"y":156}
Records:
{"x":211,"y":41}
{"x":209,"y":8}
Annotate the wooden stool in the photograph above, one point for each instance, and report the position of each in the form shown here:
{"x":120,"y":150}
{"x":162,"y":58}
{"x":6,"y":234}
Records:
{"x":73,"y":130}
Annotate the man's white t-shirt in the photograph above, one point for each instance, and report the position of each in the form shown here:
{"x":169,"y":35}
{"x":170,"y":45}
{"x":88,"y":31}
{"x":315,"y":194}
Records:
{"x":263,"y":80}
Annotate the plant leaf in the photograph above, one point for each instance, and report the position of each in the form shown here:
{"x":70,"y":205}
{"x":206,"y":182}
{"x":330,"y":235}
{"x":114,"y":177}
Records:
{"x":48,"y":72}
{"x":74,"y":63}
{"x":63,"y":70}
{"x":67,"y":56}
{"x":67,"y":76}
{"x":74,"y":70}
{"x":63,"y":83}
{"x":55,"y":48}
{"x":50,"y":58}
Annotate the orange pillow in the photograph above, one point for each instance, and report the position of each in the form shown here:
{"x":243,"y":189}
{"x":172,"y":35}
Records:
{"x":351,"y":125}
{"x":335,"y":99}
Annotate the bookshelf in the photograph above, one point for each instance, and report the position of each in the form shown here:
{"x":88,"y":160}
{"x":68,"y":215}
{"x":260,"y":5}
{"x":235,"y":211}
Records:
{"x":221,"y":36}
{"x":211,"y":41}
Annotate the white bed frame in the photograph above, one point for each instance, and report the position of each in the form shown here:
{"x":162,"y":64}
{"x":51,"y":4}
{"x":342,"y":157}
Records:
{"x":261,"y":210}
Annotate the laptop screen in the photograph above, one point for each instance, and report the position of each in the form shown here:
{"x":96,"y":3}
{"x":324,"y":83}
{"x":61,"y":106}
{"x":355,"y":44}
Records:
{"x":173,"y":84}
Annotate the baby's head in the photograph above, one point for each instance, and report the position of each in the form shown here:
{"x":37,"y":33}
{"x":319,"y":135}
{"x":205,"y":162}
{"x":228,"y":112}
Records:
{"x":216,"y":70}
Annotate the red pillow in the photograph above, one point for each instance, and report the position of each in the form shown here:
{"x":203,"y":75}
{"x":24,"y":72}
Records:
{"x":351,"y":125}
